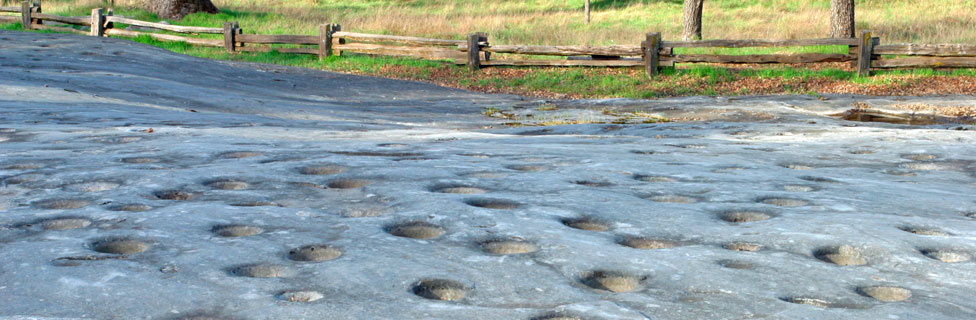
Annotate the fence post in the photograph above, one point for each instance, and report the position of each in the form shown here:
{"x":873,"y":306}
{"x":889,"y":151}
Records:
{"x":25,"y":15}
{"x":652,"y":53}
{"x":474,"y":51}
{"x":483,"y":38}
{"x":37,"y":8}
{"x":864,"y":55}
{"x":325,"y":40}
{"x":229,"y":33}
{"x":109,"y":13}
{"x":97,"y":23}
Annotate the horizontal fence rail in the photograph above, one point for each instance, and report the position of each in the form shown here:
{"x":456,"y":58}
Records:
{"x":654,"y":52}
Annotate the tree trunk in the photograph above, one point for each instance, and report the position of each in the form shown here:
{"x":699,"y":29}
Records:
{"x":693,"y":20}
{"x":586,"y":8}
{"x":177,"y":9}
{"x":841,"y":18}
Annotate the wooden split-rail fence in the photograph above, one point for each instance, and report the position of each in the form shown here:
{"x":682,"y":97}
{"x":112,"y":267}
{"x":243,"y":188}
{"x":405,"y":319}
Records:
{"x":653,"y":53}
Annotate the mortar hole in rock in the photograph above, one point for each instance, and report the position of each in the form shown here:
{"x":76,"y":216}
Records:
{"x":798,"y":166}
{"x":314,"y":253}
{"x":236,"y":230}
{"x":229,"y":185}
{"x":740,"y":216}
{"x":872,"y":115}
{"x":799,"y":188}
{"x":130,"y":207}
{"x":947,"y":255}
{"x":930,"y":166}
{"x":784,"y":202}
{"x":93,"y":186}
{"x":647,"y":243}
{"x":300,"y":296}
{"x":924,"y":231}
{"x":613,"y":281}
{"x":595,"y":184}
{"x":490,"y":203}
{"x":416,"y":230}
{"x":65,"y":223}
{"x":885,"y":293}
{"x":919,"y":156}
{"x":736,"y":264}
{"x":508,"y":246}
{"x":440,"y":289}
{"x":743,"y":246}
{"x":819,"y":179}
{"x":808,"y":301}
{"x":263,"y":270}
{"x":258,"y":203}
{"x":457,"y":189}
{"x":557,"y":316}
{"x":587,"y":223}
{"x":347,"y":183}
{"x":178,"y":195}
{"x":322,"y":170}
{"x":526,"y":167}
{"x":24,"y":166}
{"x":120,"y":246}
{"x":670,"y":198}
{"x":59,"y":204}
{"x":139,"y":160}
{"x":240,"y":154}
{"x":648,"y":178}
{"x":844,"y":255}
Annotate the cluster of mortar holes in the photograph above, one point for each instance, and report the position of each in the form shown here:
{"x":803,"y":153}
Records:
{"x":130,"y":207}
{"x":347,"y":183}
{"x":947,"y":255}
{"x":736,"y":264}
{"x":92,"y":186}
{"x":457,"y":189}
{"x":256,"y":203}
{"x":651,"y":178}
{"x":227,"y":184}
{"x":139,"y":160}
{"x":919,"y":156}
{"x":558,"y":316}
{"x":587,"y":223}
{"x":819,"y":179}
{"x":647,"y":243}
{"x":799,"y":188}
{"x":174,"y":194}
{"x":843,"y":255}
{"x":591,"y":183}
{"x":236,"y":230}
{"x":263,"y":270}
{"x":65,"y":223}
{"x":740,"y":216}
{"x":743,"y":246}
{"x":798,"y":166}
{"x":673,"y":198}
{"x":124,"y":246}
{"x":885,"y":293}
{"x":321,"y":170}
{"x":59,"y":204}
{"x":300,"y":296}
{"x":440,"y":289}
{"x":784,"y":202}
{"x":492,"y":203}
{"x":240,"y":154}
{"x":924,"y":231}
{"x":526,"y":167}
{"x":613,"y":281}
{"x":415,"y":230}
{"x":507,"y":246}
{"x":314,"y":253}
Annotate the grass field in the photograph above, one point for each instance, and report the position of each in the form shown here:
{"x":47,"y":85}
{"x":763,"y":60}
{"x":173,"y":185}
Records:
{"x":613,"y":22}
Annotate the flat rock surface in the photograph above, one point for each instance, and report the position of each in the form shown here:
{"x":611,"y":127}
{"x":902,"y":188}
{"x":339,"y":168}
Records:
{"x":103,"y":218}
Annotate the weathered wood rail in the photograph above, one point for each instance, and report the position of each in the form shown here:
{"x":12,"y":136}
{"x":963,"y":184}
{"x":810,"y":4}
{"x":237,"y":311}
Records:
{"x":865,"y":52}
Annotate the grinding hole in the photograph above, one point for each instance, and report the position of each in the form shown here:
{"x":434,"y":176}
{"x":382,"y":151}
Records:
{"x":256,"y":204}
{"x":236,"y":230}
{"x":743,"y":246}
{"x":595,"y":184}
{"x":947,"y":256}
{"x":416,"y":230}
{"x":300,"y":296}
{"x":322,"y":170}
{"x":139,"y":160}
{"x":819,"y":179}
{"x":808,"y":301}
{"x":130,"y":207}
{"x":673,"y":199}
{"x":885,"y":293}
{"x":612,"y":281}
{"x":508,"y":246}
{"x":526,"y":167}
{"x":736,"y":264}
{"x":784,"y":202}
{"x":348,"y":183}
{"x":740,"y":216}
{"x":24,"y":166}
{"x":844,"y":255}
{"x":489,"y":203}
{"x":557,"y":316}
{"x":587,"y":223}
{"x":60,"y":203}
{"x":798,"y":188}
{"x":240,"y":154}
{"x":93,"y":186}
{"x":179,"y":195}
{"x":458,"y":189}
{"x":65,"y":223}
{"x":228,"y":184}
{"x":924,"y":231}
{"x":798,"y":166}
{"x":263,"y":270}
{"x":440,"y":289}
{"x":120,"y":246}
{"x":647,"y":243}
{"x":646,"y":178}
{"x":314,"y":253}
{"x":919,"y":156}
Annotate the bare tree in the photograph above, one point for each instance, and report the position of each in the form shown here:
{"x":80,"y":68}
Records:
{"x":693,"y":20}
{"x":841,"y":18}
{"x":586,"y":8}
{"x":177,"y":9}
